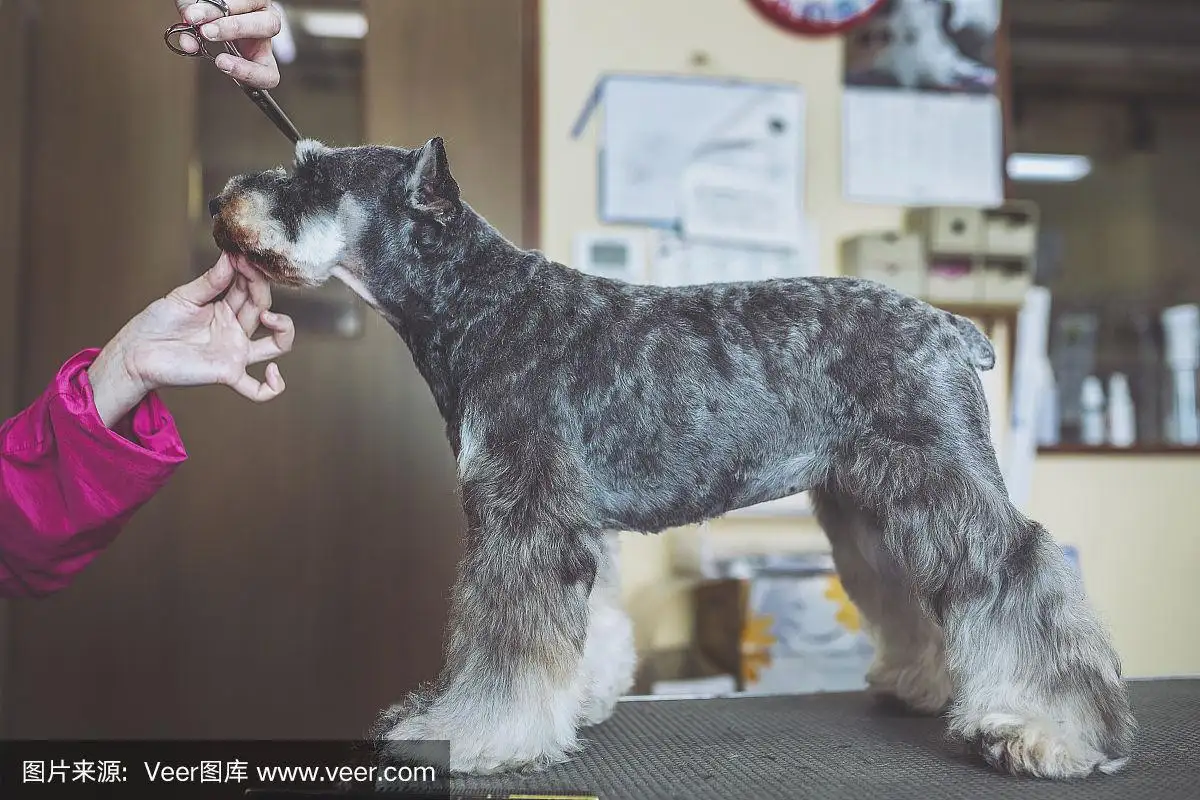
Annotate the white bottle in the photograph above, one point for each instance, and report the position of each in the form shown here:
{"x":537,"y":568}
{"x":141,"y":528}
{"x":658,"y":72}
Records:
{"x":1091,"y":398}
{"x":1181,"y":330}
{"x":1049,"y":422}
{"x":1121,"y":426}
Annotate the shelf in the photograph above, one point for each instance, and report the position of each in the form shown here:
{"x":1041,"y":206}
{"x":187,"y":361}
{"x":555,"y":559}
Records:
{"x":1136,"y":450}
{"x":986,"y":311}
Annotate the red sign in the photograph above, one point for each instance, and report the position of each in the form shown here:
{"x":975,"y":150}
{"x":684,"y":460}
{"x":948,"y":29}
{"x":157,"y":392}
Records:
{"x":817,"y":17}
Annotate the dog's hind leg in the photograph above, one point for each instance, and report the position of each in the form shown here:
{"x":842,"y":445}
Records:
{"x":1037,"y":681}
{"x":609,"y":658}
{"x":910,"y":662}
{"x":511,"y":691}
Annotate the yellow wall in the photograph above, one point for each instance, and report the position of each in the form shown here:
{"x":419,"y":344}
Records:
{"x":1136,"y":523}
{"x":1139,"y":546}
{"x":582,"y":41}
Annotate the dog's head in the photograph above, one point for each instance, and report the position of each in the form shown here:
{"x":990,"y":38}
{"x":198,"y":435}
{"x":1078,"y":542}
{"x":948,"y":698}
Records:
{"x":338,"y":211}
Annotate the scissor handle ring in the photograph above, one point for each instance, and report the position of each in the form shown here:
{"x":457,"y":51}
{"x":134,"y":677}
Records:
{"x":174,"y":35}
{"x":174,"y":39}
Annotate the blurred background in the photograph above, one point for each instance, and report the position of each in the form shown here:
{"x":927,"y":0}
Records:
{"x":292,"y":579}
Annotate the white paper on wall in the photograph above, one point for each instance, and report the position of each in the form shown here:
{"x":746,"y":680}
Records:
{"x":921,"y":122}
{"x":685,"y":262}
{"x":735,"y":227}
{"x":657,"y":127}
{"x":922,"y":150}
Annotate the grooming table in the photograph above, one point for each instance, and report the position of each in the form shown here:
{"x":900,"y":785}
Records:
{"x":842,"y":747}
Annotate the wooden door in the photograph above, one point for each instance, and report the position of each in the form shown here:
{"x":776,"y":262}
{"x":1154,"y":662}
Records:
{"x":14,"y":85}
{"x":293,"y":577}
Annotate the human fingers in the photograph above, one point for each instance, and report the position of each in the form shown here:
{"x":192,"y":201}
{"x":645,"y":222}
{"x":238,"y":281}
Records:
{"x":243,"y":265}
{"x":263,"y":24}
{"x":207,"y":287}
{"x":260,"y":290}
{"x":260,"y":392}
{"x":257,"y":298}
{"x":237,"y":295}
{"x":196,"y":12}
{"x":253,"y":305}
{"x":255,"y":65}
{"x":264,"y":75}
{"x":224,"y":318}
{"x":283,"y":335}
{"x":188,"y":43}
{"x":252,"y":24}
{"x":247,"y":269}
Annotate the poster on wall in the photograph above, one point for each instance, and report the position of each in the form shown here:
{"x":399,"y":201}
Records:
{"x":716,"y":165}
{"x":922,"y":122}
{"x":656,"y":129}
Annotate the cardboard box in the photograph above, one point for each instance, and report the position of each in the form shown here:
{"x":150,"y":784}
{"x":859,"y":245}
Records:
{"x":1011,"y":230}
{"x":892,"y":258}
{"x":784,"y":632}
{"x":786,"y":629}
{"x":954,"y":281}
{"x":1005,"y":281}
{"x":949,"y":231}
{"x":680,"y":669}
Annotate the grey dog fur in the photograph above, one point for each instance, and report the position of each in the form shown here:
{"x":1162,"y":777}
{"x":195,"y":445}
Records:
{"x":577,"y":405}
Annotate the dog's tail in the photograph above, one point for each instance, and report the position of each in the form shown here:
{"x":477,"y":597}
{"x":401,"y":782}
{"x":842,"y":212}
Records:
{"x":983,"y":353}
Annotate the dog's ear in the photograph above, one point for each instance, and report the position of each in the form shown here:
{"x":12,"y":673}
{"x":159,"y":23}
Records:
{"x":432,"y":189}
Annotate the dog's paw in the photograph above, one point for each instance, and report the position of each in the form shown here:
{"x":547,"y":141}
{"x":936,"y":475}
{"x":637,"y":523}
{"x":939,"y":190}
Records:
{"x":405,"y":739}
{"x":1039,"y":748}
{"x":609,"y":660}
{"x":922,"y":685}
{"x":598,"y":709}
{"x":475,"y":747}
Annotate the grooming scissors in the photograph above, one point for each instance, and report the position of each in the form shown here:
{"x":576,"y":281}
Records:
{"x":264,"y":101}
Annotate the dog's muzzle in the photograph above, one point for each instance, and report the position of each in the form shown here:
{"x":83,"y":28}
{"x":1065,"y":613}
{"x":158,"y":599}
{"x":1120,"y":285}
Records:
{"x":232,"y":237}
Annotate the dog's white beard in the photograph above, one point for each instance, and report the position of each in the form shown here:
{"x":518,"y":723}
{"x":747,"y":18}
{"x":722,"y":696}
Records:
{"x":322,"y":242}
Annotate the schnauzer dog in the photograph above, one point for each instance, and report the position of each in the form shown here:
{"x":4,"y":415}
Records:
{"x":578,"y":406}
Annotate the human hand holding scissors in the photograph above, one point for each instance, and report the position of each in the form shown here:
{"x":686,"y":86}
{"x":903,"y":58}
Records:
{"x":249,"y":26}
{"x":192,"y":39}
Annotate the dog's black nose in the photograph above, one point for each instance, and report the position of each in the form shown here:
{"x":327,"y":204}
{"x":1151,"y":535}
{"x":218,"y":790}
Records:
{"x":214,"y":206}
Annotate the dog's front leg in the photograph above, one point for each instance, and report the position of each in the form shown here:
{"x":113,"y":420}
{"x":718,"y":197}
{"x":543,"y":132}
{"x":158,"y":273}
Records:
{"x":511,"y":693}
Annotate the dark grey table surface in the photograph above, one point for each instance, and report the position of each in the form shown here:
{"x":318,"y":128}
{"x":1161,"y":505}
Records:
{"x":843,"y":746}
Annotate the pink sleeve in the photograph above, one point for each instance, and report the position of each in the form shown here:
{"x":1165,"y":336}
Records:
{"x":68,"y":484}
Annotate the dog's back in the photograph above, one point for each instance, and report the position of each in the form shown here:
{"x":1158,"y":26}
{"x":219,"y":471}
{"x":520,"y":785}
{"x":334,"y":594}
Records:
{"x":682,"y":403}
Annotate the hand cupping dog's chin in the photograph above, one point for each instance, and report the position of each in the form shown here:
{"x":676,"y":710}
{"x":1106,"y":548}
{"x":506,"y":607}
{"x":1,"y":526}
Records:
{"x":274,"y":267}
{"x":242,"y":261}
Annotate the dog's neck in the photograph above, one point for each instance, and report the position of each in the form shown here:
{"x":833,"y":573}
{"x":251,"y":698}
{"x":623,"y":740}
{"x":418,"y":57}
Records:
{"x":454,"y":305}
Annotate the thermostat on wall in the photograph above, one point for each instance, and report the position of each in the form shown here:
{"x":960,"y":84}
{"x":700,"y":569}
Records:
{"x":620,"y":256}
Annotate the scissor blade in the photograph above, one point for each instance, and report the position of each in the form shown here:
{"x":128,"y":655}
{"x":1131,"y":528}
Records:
{"x":268,"y":106}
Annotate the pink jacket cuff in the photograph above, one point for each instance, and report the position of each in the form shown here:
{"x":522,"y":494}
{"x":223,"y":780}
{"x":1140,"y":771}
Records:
{"x":146,"y":444}
{"x":68,"y":483}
